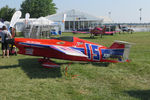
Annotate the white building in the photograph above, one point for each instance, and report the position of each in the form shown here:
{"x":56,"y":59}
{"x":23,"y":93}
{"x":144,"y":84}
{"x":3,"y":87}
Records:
{"x":75,"y":20}
{"x":106,"y":20}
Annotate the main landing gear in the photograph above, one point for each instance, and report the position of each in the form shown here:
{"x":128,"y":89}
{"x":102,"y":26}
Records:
{"x":47,"y":63}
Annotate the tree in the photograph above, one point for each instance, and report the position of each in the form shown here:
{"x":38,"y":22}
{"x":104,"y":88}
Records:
{"x":6,"y":13}
{"x":38,"y":8}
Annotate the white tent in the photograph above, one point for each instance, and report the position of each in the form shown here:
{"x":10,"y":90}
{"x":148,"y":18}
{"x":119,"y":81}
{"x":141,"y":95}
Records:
{"x":21,"y":23}
{"x":2,"y":24}
{"x":40,"y":28}
{"x":106,"y":20}
{"x":7,"y":23}
{"x":42,"y":21}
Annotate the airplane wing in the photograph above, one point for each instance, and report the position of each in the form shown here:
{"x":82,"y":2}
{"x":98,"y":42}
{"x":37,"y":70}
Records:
{"x":111,"y":32}
{"x":63,"y":49}
{"x":68,"y":50}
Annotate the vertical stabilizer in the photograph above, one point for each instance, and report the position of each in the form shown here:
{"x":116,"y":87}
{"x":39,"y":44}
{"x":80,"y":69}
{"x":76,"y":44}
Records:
{"x":124,"y":46}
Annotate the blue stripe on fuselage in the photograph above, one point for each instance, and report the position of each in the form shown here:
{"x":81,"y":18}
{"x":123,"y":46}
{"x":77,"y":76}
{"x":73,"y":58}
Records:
{"x":113,"y":51}
{"x":35,"y":45}
{"x":117,"y":52}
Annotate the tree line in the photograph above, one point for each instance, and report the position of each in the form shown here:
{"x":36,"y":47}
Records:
{"x":36,"y":8}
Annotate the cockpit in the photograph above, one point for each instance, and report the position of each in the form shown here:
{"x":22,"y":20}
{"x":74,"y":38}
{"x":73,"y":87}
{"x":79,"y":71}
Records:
{"x":65,"y":38}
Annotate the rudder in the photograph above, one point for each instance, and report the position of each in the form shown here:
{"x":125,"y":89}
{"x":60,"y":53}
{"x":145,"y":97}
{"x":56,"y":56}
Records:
{"x":122,"y":45}
{"x":117,"y":52}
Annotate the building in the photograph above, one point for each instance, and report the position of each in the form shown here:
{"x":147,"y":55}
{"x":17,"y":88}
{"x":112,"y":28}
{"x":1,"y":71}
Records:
{"x":74,"y":20}
{"x":106,"y":20}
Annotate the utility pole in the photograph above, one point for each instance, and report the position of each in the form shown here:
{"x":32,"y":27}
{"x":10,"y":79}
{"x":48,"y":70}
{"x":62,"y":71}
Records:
{"x":109,"y":13}
{"x":140,"y":14}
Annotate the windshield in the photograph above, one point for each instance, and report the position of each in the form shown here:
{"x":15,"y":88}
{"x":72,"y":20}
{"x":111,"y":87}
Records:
{"x":65,"y":38}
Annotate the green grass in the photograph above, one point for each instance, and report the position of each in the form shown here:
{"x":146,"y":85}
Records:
{"x":22,"y":77}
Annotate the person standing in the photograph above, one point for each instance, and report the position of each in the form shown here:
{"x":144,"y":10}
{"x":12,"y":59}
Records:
{"x":5,"y":35}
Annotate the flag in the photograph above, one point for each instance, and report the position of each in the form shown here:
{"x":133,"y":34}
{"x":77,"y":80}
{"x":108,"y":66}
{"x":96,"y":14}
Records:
{"x":64,"y":18}
{"x":27,"y":16}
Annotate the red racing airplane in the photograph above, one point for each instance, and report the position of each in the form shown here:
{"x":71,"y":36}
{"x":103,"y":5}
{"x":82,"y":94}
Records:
{"x":72,"y":48}
{"x":69,"y":48}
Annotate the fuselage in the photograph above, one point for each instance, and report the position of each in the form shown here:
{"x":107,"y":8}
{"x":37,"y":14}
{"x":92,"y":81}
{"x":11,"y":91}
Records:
{"x":39,"y":47}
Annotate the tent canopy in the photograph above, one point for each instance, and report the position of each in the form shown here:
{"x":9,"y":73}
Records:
{"x":2,"y":24}
{"x":73,"y":15}
{"x":42,"y":21}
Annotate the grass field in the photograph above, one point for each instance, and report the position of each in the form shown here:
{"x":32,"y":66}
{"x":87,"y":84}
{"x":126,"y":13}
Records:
{"x":22,"y":77}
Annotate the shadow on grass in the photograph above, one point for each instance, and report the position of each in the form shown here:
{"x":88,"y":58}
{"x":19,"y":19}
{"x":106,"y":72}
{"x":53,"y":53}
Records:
{"x":7,"y":67}
{"x":96,"y":64}
{"x":34,"y":70}
{"x":139,"y":94}
{"x":102,"y":64}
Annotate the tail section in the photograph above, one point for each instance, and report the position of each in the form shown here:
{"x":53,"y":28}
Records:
{"x":117,"y":52}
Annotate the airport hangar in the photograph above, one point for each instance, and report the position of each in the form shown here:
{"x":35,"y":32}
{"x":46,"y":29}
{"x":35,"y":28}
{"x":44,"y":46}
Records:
{"x":75,"y":19}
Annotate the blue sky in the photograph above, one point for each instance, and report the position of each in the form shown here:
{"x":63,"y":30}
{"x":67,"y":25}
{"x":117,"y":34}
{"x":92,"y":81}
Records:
{"x":121,"y":10}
